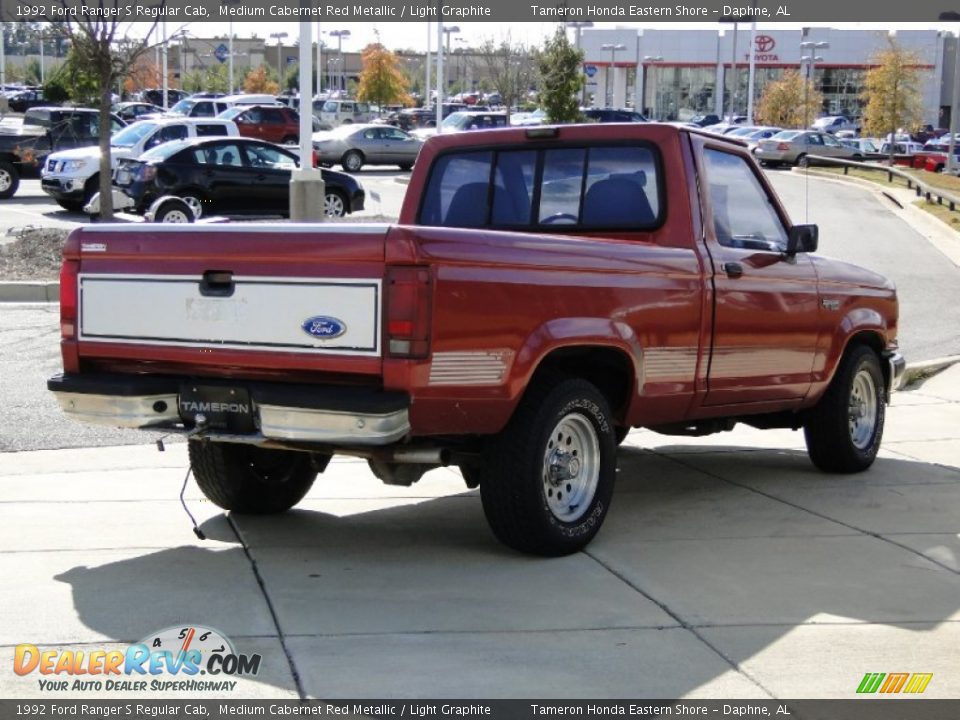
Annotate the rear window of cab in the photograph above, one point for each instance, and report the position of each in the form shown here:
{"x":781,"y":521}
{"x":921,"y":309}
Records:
{"x":564,"y":188}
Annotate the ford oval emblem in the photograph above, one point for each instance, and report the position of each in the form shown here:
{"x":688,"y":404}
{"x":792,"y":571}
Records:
{"x":323,"y":327}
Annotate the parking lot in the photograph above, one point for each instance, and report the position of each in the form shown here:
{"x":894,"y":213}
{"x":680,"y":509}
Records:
{"x":728,"y":566}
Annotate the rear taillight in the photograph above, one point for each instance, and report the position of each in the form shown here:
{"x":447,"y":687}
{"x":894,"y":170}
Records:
{"x":783,"y":146}
{"x":69,"y":290}
{"x":408,"y":312}
{"x":316,"y":159}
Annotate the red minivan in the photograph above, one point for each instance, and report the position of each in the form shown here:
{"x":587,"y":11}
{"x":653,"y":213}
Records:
{"x":273,"y":123}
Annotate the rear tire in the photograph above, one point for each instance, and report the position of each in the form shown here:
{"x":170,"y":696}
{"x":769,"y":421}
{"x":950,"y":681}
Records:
{"x":174,"y":210}
{"x":251,"y":480}
{"x":405,"y":166}
{"x":801,"y":160}
{"x":547,"y":479}
{"x":844,"y":430}
{"x":71,"y":205}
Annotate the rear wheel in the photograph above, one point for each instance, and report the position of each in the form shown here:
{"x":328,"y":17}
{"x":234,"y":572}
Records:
{"x":405,"y":166}
{"x":352,"y":161}
{"x":251,"y":480}
{"x":174,"y":210}
{"x":9,"y":180}
{"x":844,"y":430}
{"x":547,"y":479}
{"x":801,"y":160}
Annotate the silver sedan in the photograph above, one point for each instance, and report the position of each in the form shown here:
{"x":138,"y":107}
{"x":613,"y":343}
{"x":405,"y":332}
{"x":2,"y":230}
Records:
{"x":354,"y":146}
{"x":793,"y":146}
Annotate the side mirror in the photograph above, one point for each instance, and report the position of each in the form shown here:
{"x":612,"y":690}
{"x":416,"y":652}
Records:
{"x":802,"y":238}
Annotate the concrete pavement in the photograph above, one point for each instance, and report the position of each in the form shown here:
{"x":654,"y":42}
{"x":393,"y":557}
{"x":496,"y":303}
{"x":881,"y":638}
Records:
{"x":728,"y":567}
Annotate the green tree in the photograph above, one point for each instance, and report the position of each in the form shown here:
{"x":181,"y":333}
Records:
{"x":792,"y":101}
{"x":381,"y":80}
{"x":561,"y":78}
{"x":291,"y":78}
{"x":892,"y":92}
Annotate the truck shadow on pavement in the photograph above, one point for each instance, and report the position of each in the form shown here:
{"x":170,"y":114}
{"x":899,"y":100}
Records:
{"x":720,"y":571}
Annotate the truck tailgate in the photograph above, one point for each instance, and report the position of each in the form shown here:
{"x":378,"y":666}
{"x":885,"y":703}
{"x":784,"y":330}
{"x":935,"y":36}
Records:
{"x":204,"y":293}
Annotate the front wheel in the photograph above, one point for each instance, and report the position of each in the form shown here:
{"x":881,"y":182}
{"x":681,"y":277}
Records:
{"x":251,"y":480}
{"x":352,"y":161}
{"x":9,"y":180}
{"x":547,"y":480}
{"x":844,"y":430}
{"x":334,"y":204}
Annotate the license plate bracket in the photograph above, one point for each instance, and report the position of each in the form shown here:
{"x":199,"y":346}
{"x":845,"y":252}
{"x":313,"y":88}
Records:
{"x":225,"y":407}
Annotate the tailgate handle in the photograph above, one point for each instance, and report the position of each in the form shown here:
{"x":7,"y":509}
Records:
{"x":217,"y":283}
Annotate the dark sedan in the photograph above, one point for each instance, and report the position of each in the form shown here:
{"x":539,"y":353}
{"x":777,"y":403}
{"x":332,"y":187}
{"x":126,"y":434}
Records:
{"x":228,"y":176}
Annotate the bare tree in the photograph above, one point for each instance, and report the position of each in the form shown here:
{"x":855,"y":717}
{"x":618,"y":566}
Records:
{"x":108,"y":48}
{"x":509,"y":68}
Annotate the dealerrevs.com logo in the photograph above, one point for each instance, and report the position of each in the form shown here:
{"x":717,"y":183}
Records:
{"x":894,"y":683}
{"x":189,"y":659}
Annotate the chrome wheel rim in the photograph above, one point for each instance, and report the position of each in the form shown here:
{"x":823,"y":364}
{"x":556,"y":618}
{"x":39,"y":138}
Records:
{"x":571,"y":468}
{"x":196,"y":207}
{"x":176,"y":216}
{"x":862,"y":410}
{"x":353,"y":162}
{"x":333,"y":205}
{"x":6,"y":180}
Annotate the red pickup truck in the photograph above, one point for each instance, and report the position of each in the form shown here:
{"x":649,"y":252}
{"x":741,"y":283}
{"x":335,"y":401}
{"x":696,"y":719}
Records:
{"x":544,"y":290}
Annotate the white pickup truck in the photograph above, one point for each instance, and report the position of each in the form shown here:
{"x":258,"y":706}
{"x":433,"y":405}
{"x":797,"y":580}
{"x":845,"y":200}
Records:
{"x":72,"y":177}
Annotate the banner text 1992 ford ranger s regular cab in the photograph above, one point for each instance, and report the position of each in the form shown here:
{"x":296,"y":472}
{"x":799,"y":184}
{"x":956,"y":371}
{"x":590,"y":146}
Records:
{"x":544,"y":290}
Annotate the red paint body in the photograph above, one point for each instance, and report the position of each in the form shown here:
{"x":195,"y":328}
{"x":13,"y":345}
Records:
{"x":695,"y":343}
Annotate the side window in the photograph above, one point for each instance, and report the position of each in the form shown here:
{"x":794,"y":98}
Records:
{"x":225,"y":155}
{"x":814,"y":140}
{"x":210,"y":130}
{"x":456,"y":195}
{"x":260,"y":156}
{"x":274,"y":117}
{"x":513,"y":180}
{"x":741,"y":207}
{"x":617,"y":193}
{"x":203,"y":109}
{"x":254,"y":116}
{"x":370,"y":134}
{"x":561,"y":187}
{"x":830,"y":141}
{"x":173,"y":132}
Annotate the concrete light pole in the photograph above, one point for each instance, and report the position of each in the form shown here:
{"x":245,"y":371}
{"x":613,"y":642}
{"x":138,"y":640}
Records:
{"x":306,"y":182}
{"x":608,"y":90}
{"x":440,"y":93}
{"x":812,"y":59}
{"x":448,"y":31}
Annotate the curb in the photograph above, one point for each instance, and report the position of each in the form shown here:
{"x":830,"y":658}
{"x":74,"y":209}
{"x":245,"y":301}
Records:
{"x":926,"y":368}
{"x":29,"y":292}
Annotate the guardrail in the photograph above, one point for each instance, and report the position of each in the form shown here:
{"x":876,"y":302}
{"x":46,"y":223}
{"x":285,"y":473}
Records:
{"x":922,"y":189}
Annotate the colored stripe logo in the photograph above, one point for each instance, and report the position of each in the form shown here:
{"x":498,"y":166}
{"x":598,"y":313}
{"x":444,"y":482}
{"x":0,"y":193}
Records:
{"x":893,"y":683}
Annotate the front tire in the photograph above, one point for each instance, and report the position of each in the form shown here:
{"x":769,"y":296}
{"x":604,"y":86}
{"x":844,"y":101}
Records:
{"x":844,"y":430}
{"x":352,"y":161}
{"x":9,"y":180}
{"x":251,"y":480}
{"x":334,"y":204}
{"x":547,"y":479}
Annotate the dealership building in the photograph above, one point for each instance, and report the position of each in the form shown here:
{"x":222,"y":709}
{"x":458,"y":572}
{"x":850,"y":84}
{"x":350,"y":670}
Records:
{"x":674,"y":74}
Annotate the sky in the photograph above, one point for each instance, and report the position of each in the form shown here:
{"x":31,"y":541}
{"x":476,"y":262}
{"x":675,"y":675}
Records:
{"x":414,"y":35}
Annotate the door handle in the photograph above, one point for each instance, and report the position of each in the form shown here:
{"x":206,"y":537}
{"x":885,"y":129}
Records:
{"x":733,"y":269}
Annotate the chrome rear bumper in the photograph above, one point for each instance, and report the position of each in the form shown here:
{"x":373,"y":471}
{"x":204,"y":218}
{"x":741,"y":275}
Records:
{"x":302,"y":413}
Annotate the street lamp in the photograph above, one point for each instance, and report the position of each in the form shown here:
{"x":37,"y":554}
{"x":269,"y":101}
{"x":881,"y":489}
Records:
{"x":449,"y":30}
{"x":340,"y":35}
{"x":279,"y":37}
{"x":613,"y":48}
{"x":654,"y":59}
{"x":812,"y":59}
{"x":954,"y":108}
{"x":578,"y":25}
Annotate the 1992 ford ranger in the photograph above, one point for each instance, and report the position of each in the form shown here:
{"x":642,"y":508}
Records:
{"x":544,"y":290}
